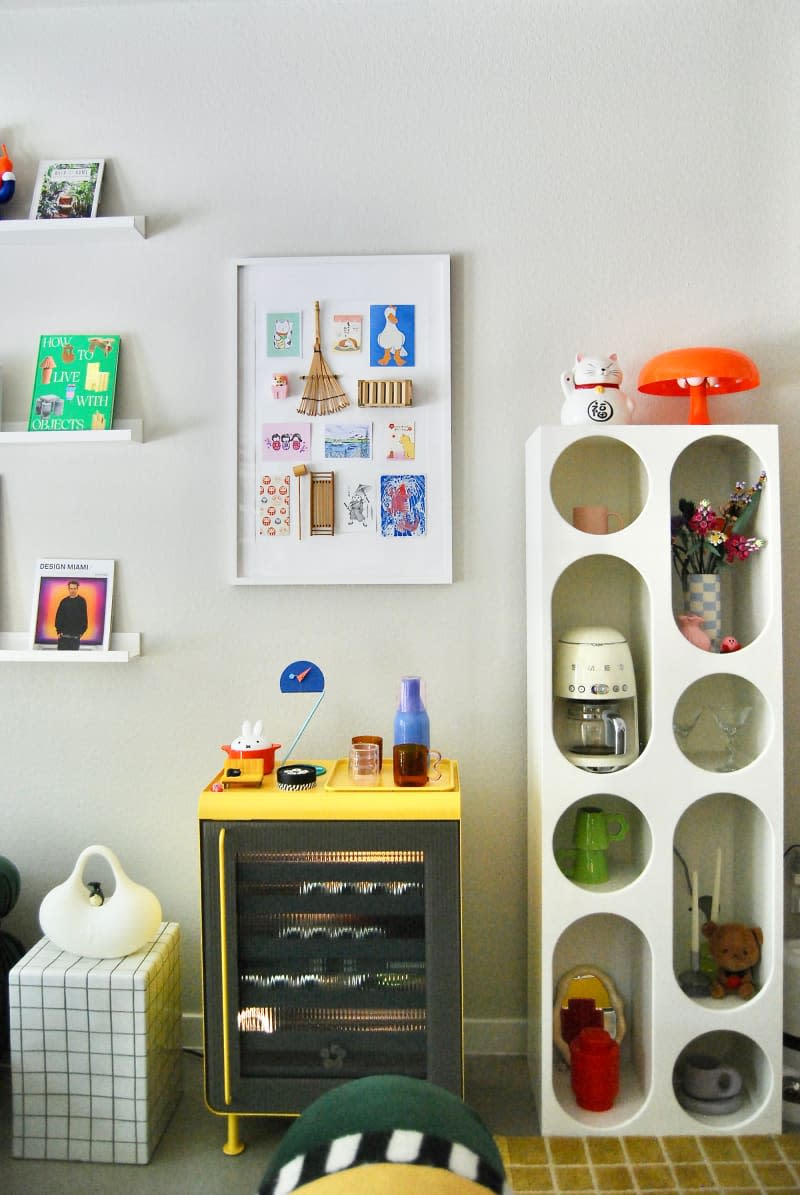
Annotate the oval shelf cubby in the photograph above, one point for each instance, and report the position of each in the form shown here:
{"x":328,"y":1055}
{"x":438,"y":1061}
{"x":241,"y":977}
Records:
{"x":710,"y":469}
{"x":627,"y":854}
{"x":742,"y":1079}
{"x":734,"y":828}
{"x":722,"y":722}
{"x":600,"y":471}
{"x":620,"y":949}
{"x":602,"y":591}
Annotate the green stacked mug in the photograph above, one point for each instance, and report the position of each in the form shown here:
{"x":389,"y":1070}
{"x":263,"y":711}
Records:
{"x":586,"y":862}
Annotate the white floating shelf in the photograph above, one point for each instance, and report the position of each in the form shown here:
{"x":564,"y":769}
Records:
{"x":124,"y":431}
{"x":76,"y":231}
{"x":15,"y":649}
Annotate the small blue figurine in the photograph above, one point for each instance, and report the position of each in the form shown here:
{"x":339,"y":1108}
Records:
{"x":8,"y":180}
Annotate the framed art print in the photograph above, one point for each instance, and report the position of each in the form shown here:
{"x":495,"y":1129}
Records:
{"x":360,"y":422}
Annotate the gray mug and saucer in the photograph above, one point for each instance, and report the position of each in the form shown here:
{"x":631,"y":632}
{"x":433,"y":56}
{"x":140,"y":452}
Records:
{"x":708,"y":1085}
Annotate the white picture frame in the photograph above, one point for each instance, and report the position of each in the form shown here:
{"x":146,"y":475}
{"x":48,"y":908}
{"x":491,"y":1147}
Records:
{"x":292,"y":555}
{"x":61,"y":581}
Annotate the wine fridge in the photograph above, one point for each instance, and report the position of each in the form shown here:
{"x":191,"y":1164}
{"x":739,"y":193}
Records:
{"x":331,"y":950}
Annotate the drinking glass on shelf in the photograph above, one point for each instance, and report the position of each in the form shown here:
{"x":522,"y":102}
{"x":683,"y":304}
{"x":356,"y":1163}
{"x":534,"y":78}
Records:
{"x":682,"y":727}
{"x":731,"y":719}
{"x":364,"y":763}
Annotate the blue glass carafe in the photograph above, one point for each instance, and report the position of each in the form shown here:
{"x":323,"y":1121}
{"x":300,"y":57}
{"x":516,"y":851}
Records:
{"x":411,"y":722}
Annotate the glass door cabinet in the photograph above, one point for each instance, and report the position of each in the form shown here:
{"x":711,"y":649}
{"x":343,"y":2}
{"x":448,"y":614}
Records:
{"x":331,"y":947}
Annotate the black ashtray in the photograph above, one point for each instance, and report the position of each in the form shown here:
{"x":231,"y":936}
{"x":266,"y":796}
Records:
{"x":294,"y":777}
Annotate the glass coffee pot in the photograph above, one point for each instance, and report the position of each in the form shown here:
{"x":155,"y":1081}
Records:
{"x":597,"y":730}
{"x":595,"y":719}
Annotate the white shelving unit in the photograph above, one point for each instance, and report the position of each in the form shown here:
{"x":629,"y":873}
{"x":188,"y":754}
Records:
{"x":15,"y":649}
{"x":675,"y":796}
{"x":14,"y":646}
{"x":116,"y":229}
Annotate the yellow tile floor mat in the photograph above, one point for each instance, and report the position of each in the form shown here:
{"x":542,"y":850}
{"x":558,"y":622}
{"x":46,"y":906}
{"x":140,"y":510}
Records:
{"x":758,"y":1165}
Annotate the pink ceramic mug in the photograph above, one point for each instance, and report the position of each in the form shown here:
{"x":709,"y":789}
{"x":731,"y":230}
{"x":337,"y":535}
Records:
{"x":594,"y":519}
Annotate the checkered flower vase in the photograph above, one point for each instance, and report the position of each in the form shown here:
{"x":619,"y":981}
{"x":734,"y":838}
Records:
{"x":703,"y":597}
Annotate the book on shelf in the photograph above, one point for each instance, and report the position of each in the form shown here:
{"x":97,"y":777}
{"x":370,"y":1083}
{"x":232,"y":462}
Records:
{"x":74,"y":385}
{"x":72,"y":604}
{"x":67,"y":190}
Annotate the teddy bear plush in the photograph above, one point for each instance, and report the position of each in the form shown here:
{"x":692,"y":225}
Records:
{"x":736,"y":949}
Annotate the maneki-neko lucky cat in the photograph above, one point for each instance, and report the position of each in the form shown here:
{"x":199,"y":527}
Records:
{"x":593,"y":392}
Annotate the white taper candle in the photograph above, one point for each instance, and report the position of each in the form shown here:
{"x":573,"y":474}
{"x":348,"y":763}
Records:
{"x":715,"y":891}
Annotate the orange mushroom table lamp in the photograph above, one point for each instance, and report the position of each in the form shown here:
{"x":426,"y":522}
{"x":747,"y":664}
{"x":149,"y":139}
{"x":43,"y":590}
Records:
{"x":698,"y":370}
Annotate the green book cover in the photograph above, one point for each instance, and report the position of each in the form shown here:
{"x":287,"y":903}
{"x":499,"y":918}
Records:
{"x":74,"y":386}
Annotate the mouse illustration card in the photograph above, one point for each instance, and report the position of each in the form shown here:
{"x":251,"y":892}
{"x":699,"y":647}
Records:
{"x":356,"y":512}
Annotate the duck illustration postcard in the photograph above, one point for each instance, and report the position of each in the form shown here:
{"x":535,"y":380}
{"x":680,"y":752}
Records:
{"x":391,"y":334}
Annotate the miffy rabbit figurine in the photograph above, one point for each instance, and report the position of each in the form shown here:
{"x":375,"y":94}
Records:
{"x":251,"y":744}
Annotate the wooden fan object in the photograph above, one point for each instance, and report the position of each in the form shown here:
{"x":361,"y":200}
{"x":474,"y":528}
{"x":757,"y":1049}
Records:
{"x":322,"y":394}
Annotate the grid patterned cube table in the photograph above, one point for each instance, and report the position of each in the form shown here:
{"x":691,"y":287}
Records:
{"x":95,"y":1051}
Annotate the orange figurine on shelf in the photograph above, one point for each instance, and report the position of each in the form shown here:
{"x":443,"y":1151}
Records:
{"x":8,"y":179}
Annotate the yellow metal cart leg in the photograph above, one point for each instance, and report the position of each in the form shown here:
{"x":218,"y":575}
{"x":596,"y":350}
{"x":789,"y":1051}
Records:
{"x":234,"y":1144}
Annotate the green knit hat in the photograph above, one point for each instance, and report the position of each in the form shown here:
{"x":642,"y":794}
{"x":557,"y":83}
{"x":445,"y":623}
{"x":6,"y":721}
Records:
{"x":385,"y":1120}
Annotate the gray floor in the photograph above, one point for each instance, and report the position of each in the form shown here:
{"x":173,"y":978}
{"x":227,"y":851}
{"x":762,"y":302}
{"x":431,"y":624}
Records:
{"x":190,"y":1159}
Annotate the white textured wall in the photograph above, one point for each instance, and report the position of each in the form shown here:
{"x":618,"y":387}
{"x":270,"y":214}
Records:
{"x":606,"y":175}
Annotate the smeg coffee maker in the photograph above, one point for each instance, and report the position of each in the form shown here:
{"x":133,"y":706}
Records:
{"x":595,"y":720}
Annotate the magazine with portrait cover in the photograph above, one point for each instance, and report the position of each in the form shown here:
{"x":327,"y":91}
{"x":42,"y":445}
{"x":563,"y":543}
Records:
{"x":72,"y":604}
